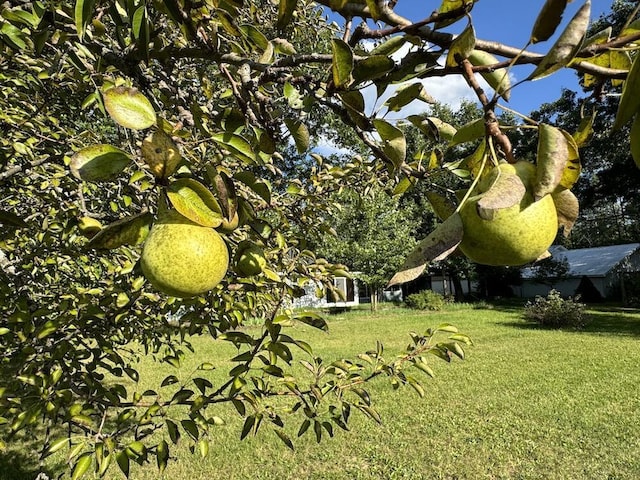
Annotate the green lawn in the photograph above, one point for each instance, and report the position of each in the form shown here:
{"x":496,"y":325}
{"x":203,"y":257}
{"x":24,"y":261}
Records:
{"x":527,"y":403}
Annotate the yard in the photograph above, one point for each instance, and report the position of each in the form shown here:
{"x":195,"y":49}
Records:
{"x":527,"y":403}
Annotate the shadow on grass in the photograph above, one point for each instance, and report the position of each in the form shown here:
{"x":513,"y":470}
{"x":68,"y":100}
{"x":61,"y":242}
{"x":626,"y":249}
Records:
{"x":608,"y":321}
{"x":20,"y":461}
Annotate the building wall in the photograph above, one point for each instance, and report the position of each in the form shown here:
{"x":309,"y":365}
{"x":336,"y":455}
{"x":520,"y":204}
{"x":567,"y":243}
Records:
{"x":311,"y":300}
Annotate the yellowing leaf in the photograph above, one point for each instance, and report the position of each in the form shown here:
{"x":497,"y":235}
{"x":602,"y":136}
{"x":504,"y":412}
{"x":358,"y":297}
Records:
{"x":548,"y":20}
{"x":437,"y":246}
{"x":497,"y":79}
{"x":194,"y":201}
{"x":552,"y":157}
{"x":630,"y":100}
{"x":568,"y":208}
{"x":342,"y":65}
{"x":98,"y":162}
{"x":129,"y":108}
{"x":161,"y":154}
{"x":567,"y":45}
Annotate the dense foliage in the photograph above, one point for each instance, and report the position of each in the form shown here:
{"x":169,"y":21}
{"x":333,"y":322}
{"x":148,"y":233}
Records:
{"x":426,"y":300}
{"x":113,"y":112}
{"x":556,"y":312}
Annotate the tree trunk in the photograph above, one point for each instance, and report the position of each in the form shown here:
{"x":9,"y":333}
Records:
{"x":374,"y":299}
{"x":457,"y":287}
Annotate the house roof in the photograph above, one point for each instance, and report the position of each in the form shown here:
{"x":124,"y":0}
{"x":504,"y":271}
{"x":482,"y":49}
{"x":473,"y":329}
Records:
{"x":592,"y":262}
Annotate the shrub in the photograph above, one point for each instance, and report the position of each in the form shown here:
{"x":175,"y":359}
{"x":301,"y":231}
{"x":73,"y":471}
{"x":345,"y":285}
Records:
{"x":426,"y":300}
{"x":555,"y":311}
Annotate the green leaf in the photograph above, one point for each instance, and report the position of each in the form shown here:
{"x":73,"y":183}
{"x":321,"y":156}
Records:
{"x":98,"y":163}
{"x":236,"y":145}
{"x":390,"y":46}
{"x":437,"y":246}
{"x":261,"y":187}
{"x":408,"y":94}
{"x":15,"y":37}
{"x":433,"y":127}
{"x":82,"y":465}
{"x":284,"y":437}
{"x":126,"y":231}
{"x":497,"y":79}
{"x":83,"y":13}
{"x":462,"y":46}
{"x":451,"y":5}
{"x":567,"y":45}
{"x":552,"y":158}
{"x":194,"y":201}
{"x":342,"y":64}
{"x":312,"y":319}
{"x":286,"y":8}
{"x":394,"y":142}
{"x":473,"y":130}
{"x":371,"y":68}
{"x":630,"y":101}
{"x":191,"y":428}
{"x":299,"y":133}
{"x":255,"y":36}
{"x":123,"y":462}
{"x":585,"y":131}
{"x":129,"y":108}
{"x":248,"y":426}
{"x":162,"y":455}
{"x":548,"y":20}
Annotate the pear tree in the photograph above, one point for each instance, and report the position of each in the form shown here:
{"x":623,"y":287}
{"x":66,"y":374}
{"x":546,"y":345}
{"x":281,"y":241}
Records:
{"x":145,"y":177}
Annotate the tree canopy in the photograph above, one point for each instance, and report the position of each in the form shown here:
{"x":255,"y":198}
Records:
{"x":113,"y":113}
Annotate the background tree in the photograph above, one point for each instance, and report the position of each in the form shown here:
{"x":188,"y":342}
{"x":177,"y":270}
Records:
{"x":187,"y":106}
{"x":373,"y":235}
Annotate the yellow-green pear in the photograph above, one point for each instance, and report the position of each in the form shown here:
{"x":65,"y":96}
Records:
{"x":250,"y":261}
{"x":514,"y":235}
{"x":182,"y":258}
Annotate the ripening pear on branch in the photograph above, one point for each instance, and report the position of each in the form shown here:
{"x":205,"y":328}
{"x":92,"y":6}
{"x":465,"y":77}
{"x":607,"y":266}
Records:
{"x":511,"y":236}
{"x":182,"y":258}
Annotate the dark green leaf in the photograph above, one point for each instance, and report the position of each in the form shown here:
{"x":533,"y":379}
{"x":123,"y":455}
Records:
{"x":98,"y":162}
{"x":127,"y":231}
{"x":285,"y":12}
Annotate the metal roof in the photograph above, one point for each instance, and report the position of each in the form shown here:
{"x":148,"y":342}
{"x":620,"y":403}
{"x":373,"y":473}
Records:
{"x":592,"y":262}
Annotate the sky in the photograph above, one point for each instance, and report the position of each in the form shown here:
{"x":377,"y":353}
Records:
{"x":509,"y":22}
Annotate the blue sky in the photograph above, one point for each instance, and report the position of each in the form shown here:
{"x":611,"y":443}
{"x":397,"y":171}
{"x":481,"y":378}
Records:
{"x":509,"y":22}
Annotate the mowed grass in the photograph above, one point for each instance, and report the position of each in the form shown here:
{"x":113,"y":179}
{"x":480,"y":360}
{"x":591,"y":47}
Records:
{"x":527,"y":403}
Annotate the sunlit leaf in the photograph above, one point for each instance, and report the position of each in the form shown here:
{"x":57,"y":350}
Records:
{"x":461,"y":47}
{"x":394,"y":142}
{"x":472,"y":130}
{"x":450,"y":6}
{"x":83,"y":13}
{"x":567,"y":45}
{"x":585,"y":132}
{"x":161,"y":154}
{"x":408,"y":94}
{"x":342,"y":64}
{"x":82,"y":466}
{"x":507,"y":191}
{"x":98,"y":163}
{"x":236,"y":145}
{"x":433,"y":127}
{"x":437,"y":246}
{"x":552,"y":158}
{"x":630,"y":101}
{"x":261,"y":187}
{"x":129,"y":108}
{"x":568,"y":209}
{"x":195,"y":201}
{"x":497,"y":79}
